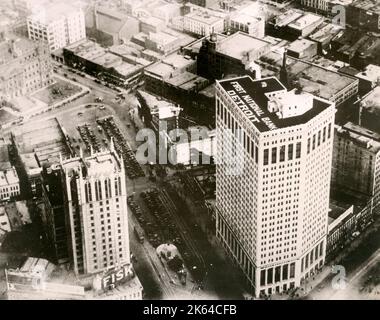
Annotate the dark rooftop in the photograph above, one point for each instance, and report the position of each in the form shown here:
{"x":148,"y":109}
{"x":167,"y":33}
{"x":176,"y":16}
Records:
{"x":252,"y":97}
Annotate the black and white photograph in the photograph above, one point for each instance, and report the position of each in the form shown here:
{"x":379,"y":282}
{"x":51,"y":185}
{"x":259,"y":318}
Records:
{"x":212,"y":152}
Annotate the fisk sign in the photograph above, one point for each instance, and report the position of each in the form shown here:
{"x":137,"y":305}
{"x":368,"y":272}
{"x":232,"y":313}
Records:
{"x":111,"y":279}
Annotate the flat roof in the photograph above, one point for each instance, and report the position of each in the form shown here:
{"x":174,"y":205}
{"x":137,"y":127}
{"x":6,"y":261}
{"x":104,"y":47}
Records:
{"x":239,"y":43}
{"x":361,"y":135}
{"x":373,"y":98}
{"x":300,"y":45}
{"x":206,"y":17}
{"x":304,"y":21}
{"x":252,"y":98}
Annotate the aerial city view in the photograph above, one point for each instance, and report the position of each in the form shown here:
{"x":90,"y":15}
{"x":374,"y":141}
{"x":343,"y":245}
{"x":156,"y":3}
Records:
{"x":190,"y":150}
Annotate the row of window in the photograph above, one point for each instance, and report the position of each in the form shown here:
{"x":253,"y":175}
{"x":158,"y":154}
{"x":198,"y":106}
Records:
{"x":279,"y":154}
{"x":240,"y":134}
{"x":273,"y":275}
{"x":99,"y":190}
{"x":318,"y":138}
{"x":312,"y":256}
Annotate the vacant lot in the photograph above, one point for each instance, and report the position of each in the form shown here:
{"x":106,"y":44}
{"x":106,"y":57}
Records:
{"x":56,"y":92}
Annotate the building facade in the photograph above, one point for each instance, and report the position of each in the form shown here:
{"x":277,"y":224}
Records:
{"x":356,"y":163}
{"x":24,"y":67}
{"x":96,"y":206}
{"x":9,"y":184}
{"x":272,"y":180}
{"x":57,"y":25}
{"x":328,"y":7}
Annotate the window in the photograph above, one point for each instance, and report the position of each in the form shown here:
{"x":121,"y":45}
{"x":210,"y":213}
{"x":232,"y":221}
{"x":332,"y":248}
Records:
{"x":292,"y":270}
{"x":270,"y":276}
{"x":319,"y":138}
{"x":262,"y":278}
{"x":274,"y":155}
{"x":290,"y":152}
{"x":298,"y":150}
{"x":282,"y":153}
{"x":313,"y":141}
{"x":329,"y":131}
{"x":324,"y":135}
{"x":266,"y":156}
{"x":285,"y":272}
{"x":308,"y":146}
{"x":277,"y":274}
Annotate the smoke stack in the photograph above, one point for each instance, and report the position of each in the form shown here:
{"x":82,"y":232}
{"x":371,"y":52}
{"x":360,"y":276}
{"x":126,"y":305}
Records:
{"x":284,"y":72}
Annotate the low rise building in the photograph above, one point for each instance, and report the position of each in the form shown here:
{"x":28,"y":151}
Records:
{"x":24,"y":67}
{"x":327,"y":7}
{"x":293,"y":24}
{"x":9,"y":184}
{"x":99,"y":62}
{"x":110,"y":27}
{"x":369,"y":78}
{"x":249,"y":19}
{"x":369,"y":112}
{"x":174,"y":78}
{"x":303,"y":49}
{"x":203,"y":22}
{"x":311,"y":77}
{"x":323,"y":36}
{"x":231,"y":55}
{"x":356,"y":48}
{"x":364,"y":14}
{"x":305,"y":25}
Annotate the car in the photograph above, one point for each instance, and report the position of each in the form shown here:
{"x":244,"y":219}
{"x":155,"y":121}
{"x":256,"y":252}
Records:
{"x":80,"y":113}
{"x":102,"y":107}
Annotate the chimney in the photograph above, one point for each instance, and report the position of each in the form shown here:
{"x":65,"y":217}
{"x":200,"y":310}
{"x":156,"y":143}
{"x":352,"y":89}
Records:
{"x":284,"y":79}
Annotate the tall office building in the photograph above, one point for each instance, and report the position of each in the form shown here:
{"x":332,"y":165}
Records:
{"x":57,"y":24}
{"x":272,"y":207}
{"x":96,"y":207}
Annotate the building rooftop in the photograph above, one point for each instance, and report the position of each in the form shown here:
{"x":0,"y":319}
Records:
{"x":239,"y":44}
{"x":360,"y":135}
{"x":371,"y":73}
{"x":97,"y":164}
{"x":170,"y":64}
{"x":287,"y":17}
{"x":8,"y":177}
{"x":372,"y":99}
{"x":13,"y":47}
{"x":45,"y":139}
{"x":369,"y":5}
{"x":304,"y":21}
{"x":300,"y":45}
{"x":326,"y":33}
{"x":320,"y":80}
{"x":252,"y":96}
{"x":204,"y":16}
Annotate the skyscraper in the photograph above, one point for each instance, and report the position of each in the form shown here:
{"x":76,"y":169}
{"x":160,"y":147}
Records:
{"x":96,"y":205}
{"x":272,"y":209}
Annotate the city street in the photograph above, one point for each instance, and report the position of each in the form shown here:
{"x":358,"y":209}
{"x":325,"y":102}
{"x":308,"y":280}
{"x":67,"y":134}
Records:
{"x":360,"y":260}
